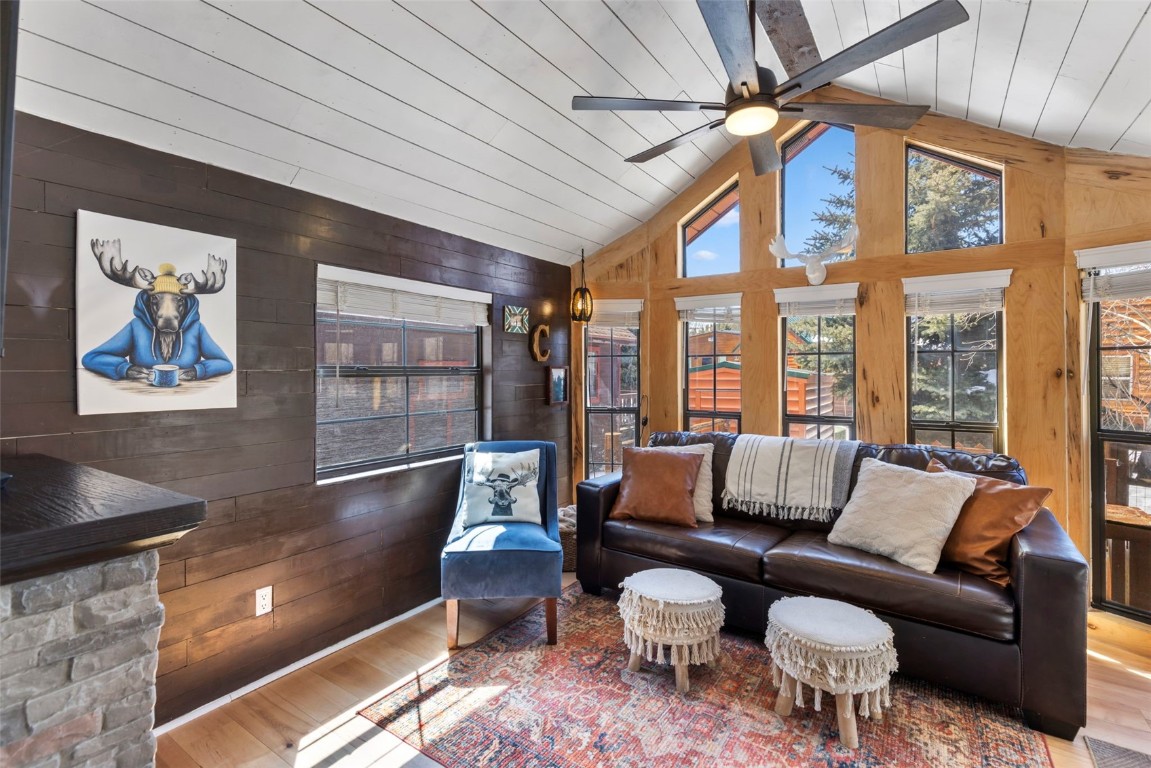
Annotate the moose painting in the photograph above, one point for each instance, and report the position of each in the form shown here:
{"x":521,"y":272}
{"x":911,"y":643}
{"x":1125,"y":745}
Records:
{"x":169,"y":342}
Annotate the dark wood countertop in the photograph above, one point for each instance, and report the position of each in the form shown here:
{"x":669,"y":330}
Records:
{"x":55,"y":515}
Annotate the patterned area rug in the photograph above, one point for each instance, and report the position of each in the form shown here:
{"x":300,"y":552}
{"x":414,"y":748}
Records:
{"x":512,"y":701}
{"x":1107,"y":755}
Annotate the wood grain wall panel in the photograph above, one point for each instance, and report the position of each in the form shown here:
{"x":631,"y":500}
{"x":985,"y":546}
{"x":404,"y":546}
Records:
{"x":339,"y":557}
{"x":880,"y":363}
{"x":1036,"y":358}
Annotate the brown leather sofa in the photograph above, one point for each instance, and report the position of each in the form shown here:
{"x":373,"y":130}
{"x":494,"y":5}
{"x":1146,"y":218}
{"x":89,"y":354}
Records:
{"x":1024,"y":645}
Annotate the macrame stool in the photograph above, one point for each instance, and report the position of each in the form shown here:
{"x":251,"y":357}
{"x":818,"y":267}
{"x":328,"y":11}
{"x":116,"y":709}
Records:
{"x":674,"y":608}
{"x":835,"y":647}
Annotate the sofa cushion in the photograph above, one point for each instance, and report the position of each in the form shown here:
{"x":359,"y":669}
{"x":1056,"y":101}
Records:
{"x":729,"y":547}
{"x":807,"y":563}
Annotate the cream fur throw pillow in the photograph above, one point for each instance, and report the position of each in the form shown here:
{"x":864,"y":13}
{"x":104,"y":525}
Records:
{"x":704,"y":481}
{"x":901,"y":513}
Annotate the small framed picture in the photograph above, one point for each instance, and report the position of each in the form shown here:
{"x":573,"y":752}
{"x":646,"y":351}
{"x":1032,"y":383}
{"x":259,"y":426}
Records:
{"x":557,"y":385}
{"x":515,"y":319}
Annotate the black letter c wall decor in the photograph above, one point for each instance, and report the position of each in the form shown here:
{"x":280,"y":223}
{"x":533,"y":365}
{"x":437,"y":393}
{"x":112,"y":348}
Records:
{"x":540,"y":355}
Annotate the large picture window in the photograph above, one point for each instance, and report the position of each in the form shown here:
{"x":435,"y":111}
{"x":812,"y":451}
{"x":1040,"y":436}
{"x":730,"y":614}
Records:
{"x":817,"y":186}
{"x":612,"y":403}
{"x":392,"y":390}
{"x":951,"y":204}
{"x":711,"y":237}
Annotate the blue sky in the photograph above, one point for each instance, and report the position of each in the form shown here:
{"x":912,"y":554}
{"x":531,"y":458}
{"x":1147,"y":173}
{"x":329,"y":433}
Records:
{"x":716,"y":251}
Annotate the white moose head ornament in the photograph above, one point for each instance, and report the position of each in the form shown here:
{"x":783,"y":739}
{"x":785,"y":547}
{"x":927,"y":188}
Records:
{"x":814,"y":263}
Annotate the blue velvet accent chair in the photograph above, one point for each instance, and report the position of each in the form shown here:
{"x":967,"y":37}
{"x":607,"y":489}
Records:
{"x":496,"y":560}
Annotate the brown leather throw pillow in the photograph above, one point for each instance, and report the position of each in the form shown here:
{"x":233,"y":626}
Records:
{"x":657,"y":487}
{"x":989,"y":519}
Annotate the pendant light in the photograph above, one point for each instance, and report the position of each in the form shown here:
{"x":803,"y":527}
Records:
{"x":581,"y":297}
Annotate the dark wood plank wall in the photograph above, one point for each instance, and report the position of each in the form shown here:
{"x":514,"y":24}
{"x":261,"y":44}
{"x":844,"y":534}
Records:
{"x":341,"y":557}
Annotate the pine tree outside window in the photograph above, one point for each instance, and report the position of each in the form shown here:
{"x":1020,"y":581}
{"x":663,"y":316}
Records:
{"x":817,"y":189}
{"x":951,"y":204}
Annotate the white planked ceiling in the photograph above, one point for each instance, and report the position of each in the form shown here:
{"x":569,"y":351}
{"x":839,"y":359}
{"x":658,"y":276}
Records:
{"x":457,"y":114}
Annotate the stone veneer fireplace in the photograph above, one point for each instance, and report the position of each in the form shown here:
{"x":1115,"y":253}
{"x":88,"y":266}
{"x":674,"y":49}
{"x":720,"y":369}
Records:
{"x":80,"y":613}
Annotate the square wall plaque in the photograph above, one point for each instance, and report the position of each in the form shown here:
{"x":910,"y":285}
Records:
{"x":515,"y":319}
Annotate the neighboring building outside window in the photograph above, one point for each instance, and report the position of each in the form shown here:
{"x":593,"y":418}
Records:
{"x":393,"y":390}
{"x":710,"y":238}
{"x":712,"y":362}
{"x":612,"y":395}
{"x":951,"y":204}
{"x":817,"y":189}
{"x":819,"y":358}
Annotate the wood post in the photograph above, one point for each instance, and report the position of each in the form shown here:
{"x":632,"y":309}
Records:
{"x":633,"y":662}
{"x":681,"y":682}
{"x":453,"y":607}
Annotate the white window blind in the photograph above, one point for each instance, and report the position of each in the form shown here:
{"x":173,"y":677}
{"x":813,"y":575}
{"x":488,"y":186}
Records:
{"x":617,"y":313}
{"x":1116,"y":271}
{"x":969,"y":292}
{"x":817,"y":300}
{"x":385,"y":297}
{"x":719,"y":308}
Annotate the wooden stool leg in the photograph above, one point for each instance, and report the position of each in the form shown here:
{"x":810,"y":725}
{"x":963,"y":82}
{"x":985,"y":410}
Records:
{"x":785,"y":699}
{"x":552,"y":612}
{"x":633,"y":662}
{"x":845,"y":713}
{"x":681,"y":682}
{"x":453,"y":607}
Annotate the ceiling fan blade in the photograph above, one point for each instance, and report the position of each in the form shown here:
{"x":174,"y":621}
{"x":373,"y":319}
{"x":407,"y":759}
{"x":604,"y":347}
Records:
{"x":660,"y":105}
{"x":683,"y":138}
{"x":935,"y":18}
{"x":764,"y":155}
{"x":728,"y":23}
{"x":877,"y":115}
{"x":786,"y":25}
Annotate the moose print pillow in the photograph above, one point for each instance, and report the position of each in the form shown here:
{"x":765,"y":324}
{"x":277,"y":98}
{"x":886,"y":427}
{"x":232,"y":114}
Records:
{"x":501,"y":488}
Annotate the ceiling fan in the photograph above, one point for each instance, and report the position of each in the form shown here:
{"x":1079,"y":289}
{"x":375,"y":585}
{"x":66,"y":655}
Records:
{"x":755,"y":99}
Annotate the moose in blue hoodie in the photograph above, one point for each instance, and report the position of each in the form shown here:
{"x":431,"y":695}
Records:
{"x":166,"y":327}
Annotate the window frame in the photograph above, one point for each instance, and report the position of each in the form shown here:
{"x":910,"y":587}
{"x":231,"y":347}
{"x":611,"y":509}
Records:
{"x":703,"y":209}
{"x":590,"y":410}
{"x":973,"y":167}
{"x":1099,"y":438}
{"x":833,"y":421}
{"x":952,"y":426}
{"x":783,"y":149}
{"x":714,"y":414}
{"x":406,"y":373}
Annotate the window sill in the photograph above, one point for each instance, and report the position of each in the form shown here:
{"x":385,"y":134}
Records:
{"x":388,"y":470}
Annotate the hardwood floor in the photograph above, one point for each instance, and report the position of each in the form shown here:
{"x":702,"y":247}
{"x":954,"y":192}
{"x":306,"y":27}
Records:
{"x":308,"y":718}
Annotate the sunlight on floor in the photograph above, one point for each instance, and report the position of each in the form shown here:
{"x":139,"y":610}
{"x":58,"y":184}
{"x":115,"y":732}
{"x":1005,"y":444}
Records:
{"x":1125,"y":667}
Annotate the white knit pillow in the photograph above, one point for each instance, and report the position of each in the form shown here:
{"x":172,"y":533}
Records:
{"x":704,"y":481}
{"x":901,"y":513}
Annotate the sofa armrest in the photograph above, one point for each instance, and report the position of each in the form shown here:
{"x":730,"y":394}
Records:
{"x":1049,"y":577}
{"x":594,"y":500}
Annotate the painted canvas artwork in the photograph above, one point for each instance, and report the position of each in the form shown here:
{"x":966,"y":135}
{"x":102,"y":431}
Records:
{"x":155,"y":317}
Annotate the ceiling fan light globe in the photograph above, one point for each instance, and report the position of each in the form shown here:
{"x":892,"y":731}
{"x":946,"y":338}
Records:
{"x":751,"y":119}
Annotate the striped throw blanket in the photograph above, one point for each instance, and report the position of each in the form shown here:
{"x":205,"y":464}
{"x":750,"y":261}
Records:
{"x":789,"y":478}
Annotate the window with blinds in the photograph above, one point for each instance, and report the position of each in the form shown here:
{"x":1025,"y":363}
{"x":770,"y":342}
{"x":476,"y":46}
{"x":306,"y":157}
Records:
{"x":712,"y":357}
{"x":819,"y":360}
{"x":1117,"y":286}
{"x":398,"y":372}
{"x":611,"y":399}
{"x":954,"y":359}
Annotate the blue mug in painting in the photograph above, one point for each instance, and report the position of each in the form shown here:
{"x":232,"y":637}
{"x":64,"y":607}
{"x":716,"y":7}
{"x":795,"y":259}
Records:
{"x":165,"y":375}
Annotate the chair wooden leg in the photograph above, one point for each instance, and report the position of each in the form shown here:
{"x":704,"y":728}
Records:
{"x":553,"y":618}
{"x":785,"y":699}
{"x":453,"y":607}
{"x":845,"y":714}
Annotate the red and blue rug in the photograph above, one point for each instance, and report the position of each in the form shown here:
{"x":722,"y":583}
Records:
{"x":512,"y":701}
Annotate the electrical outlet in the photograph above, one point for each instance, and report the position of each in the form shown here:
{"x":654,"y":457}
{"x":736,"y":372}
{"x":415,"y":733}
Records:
{"x":263,"y":600}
